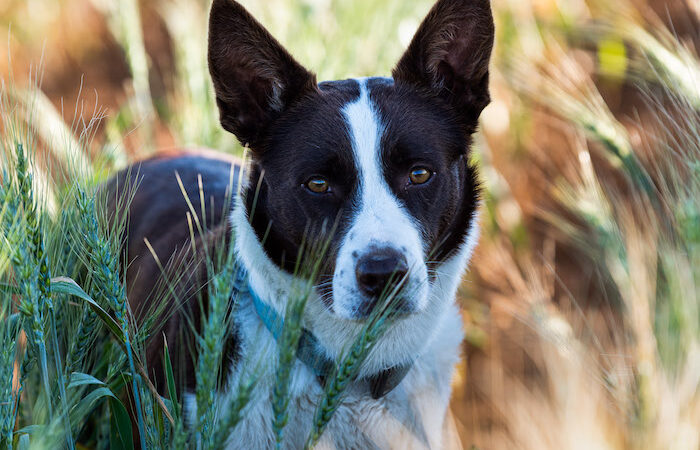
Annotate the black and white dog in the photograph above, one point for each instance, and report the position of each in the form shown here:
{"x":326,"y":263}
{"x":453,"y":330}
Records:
{"x":384,"y":159}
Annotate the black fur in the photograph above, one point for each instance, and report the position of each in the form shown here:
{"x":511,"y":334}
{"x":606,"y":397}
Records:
{"x":309,"y":139}
{"x":295,"y":130}
{"x":430,"y":112}
{"x":158,"y":213}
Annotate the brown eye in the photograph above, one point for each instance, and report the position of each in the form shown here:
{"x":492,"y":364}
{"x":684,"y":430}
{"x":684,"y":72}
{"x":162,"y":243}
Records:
{"x":318,"y":185}
{"x":420,"y":175}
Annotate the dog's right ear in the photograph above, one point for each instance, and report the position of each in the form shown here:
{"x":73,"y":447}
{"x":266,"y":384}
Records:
{"x":255,"y":78}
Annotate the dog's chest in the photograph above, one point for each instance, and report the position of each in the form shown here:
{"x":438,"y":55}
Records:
{"x":409,"y":417}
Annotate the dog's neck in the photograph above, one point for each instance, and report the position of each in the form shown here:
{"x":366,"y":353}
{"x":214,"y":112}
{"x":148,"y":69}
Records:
{"x":402,"y":343}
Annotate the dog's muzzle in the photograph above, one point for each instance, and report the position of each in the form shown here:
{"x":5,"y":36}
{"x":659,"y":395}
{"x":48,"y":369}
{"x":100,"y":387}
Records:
{"x":380,"y":274}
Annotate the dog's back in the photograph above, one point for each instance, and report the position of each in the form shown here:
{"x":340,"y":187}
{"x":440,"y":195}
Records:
{"x":169,"y":273}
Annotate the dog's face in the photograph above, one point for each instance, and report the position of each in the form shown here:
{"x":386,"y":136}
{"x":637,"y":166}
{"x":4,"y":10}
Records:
{"x":378,"y":167}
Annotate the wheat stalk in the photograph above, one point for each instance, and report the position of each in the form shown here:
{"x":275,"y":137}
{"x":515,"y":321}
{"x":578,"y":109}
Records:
{"x":287,"y":345}
{"x":104,"y":267}
{"x":234,"y":412}
{"x":27,"y":271}
{"x":351,"y":362}
{"x":211,"y":344}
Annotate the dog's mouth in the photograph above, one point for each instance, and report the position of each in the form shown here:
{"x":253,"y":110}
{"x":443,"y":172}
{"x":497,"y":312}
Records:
{"x":396,"y":299}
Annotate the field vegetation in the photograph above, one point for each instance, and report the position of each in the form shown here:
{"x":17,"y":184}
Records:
{"x":581,"y":304}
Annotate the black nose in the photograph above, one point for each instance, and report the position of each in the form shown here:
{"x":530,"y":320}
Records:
{"x":380,"y":270}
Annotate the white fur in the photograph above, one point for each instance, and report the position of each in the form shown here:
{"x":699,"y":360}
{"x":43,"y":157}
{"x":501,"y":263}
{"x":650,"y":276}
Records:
{"x":411,"y":416}
{"x":380,"y":222}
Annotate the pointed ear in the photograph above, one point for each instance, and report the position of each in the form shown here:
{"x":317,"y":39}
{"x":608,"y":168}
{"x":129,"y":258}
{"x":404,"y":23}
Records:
{"x":449,"y":55}
{"x":255,"y":78}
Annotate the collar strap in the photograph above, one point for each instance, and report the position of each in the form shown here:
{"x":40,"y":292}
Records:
{"x":309,"y":350}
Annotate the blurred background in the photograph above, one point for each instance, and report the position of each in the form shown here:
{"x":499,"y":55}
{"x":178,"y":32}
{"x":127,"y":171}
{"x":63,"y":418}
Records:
{"x":581,"y":304}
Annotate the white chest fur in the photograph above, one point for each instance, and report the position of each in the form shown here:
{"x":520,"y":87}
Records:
{"x":410,"y":416}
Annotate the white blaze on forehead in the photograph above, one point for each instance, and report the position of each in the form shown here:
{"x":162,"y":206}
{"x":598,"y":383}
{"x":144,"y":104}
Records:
{"x":380,"y":220}
{"x":365,"y":130}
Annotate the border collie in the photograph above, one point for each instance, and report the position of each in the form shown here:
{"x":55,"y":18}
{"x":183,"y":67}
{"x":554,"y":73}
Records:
{"x":386,"y":161}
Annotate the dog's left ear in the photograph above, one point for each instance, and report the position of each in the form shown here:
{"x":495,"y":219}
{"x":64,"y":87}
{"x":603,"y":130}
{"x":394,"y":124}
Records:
{"x":255,"y":78}
{"x":449,"y":56}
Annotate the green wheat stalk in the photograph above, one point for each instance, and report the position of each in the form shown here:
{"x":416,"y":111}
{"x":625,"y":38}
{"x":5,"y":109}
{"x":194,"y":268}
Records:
{"x":234,"y":413}
{"x":351,"y":363}
{"x":179,"y":439}
{"x":287,"y":346}
{"x":345,"y":373}
{"x":105,"y":272}
{"x":27,"y":273}
{"x":84,"y":336}
{"x":152,"y":428}
{"x":34,"y":231}
{"x":292,"y":330}
{"x":211,"y":344}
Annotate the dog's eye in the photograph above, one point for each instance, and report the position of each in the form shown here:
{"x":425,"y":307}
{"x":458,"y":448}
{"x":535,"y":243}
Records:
{"x":318,"y":185}
{"x":420,"y":175}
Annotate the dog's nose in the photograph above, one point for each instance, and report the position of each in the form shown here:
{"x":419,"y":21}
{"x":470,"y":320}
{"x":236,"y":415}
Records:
{"x":380,"y":270}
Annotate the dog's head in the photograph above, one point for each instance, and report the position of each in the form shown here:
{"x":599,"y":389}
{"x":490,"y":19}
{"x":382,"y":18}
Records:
{"x":379,"y":166}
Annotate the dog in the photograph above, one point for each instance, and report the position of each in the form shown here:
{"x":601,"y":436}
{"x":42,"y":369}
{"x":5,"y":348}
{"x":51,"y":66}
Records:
{"x":381,"y":168}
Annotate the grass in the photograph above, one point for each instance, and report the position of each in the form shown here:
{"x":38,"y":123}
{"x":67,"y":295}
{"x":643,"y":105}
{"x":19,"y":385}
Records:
{"x":581,"y":307}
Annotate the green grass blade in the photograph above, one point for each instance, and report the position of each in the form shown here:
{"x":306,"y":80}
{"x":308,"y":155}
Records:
{"x":64,"y":285}
{"x":83,"y":379}
{"x":170,"y":381}
{"x":120,"y":434}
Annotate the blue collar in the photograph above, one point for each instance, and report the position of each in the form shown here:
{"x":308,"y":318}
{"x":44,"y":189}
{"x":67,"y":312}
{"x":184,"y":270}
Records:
{"x":309,"y":350}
